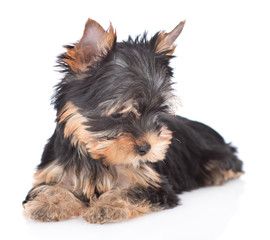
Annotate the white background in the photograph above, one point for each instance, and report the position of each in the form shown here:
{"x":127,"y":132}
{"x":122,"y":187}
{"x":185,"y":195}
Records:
{"x":222,"y":72}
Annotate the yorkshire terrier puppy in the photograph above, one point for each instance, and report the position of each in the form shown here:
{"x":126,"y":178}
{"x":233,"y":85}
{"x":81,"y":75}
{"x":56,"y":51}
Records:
{"x":118,"y":150}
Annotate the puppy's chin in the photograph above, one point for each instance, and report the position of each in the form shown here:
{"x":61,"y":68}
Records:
{"x":122,"y":150}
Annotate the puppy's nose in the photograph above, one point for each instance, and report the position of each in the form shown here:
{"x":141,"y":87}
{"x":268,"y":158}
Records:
{"x":143,"y":149}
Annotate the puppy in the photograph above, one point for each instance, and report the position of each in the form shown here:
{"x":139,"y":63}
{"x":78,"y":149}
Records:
{"x":118,"y":150}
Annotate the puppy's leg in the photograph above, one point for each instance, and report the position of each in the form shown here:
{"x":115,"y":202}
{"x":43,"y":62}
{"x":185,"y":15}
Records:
{"x":123,"y":204}
{"x":214,"y":173}
{"x":47,"y":203}
{"x":226,"y":167}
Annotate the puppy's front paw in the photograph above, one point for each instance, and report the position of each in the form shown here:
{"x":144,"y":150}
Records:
{"x":50,"y":203}
{"x":105,"y":214}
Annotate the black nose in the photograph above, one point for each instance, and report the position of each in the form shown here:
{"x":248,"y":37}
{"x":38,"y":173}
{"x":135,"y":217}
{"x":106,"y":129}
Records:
{"x":143,"y":149}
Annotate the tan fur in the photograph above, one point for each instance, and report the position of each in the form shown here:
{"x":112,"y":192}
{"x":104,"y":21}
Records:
{"x":55,"y":174}
{"x":124,"y":108}
{"x":94,"y":42}
{"x":159,"y":144}
{"x":165,"y":41}
{"x":82,"y":183}
{"x":116,"y":176}
{"x":122,"y":150}
{"x":76,"y":129}
{"x":114,"y":206}
{"x":52,"y":203}
{"x":215,"y":175}
{"x":162,"y":44}
{"x":55,"y":203}
{"x":128,"y":175}
{"x":230,"y":174}
{"x":74,"y":126}
{"x":117,"y":151}
{"x":126,"y":169}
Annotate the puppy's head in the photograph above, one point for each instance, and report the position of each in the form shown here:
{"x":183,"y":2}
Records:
{"x":113,"y":95}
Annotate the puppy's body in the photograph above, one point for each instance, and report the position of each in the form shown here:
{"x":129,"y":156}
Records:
{"x":118,"y":151}
{"x":198,"y":156}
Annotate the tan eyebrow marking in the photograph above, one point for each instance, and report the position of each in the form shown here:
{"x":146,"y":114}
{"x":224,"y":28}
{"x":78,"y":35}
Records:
{"x":127,"y":107}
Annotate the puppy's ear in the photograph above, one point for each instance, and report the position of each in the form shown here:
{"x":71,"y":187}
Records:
{"x":165,"y":41}
{"x":94,"y":43}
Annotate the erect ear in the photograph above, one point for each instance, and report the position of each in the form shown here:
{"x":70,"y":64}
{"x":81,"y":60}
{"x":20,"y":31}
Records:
{"x":165,"y":41}
{"x":94,"y":43}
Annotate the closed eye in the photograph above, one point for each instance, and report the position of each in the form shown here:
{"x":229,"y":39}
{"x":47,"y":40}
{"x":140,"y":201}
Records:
{"x":116,"y":115}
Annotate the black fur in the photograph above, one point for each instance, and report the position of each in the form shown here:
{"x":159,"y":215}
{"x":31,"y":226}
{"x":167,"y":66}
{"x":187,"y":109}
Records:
{"x":134,"y":71}
{"x":164,"y":196}
{"x":193,"y":145}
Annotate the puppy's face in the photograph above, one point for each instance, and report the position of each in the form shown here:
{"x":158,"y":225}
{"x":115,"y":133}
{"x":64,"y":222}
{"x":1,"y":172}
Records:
{"x":111,"y":101}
